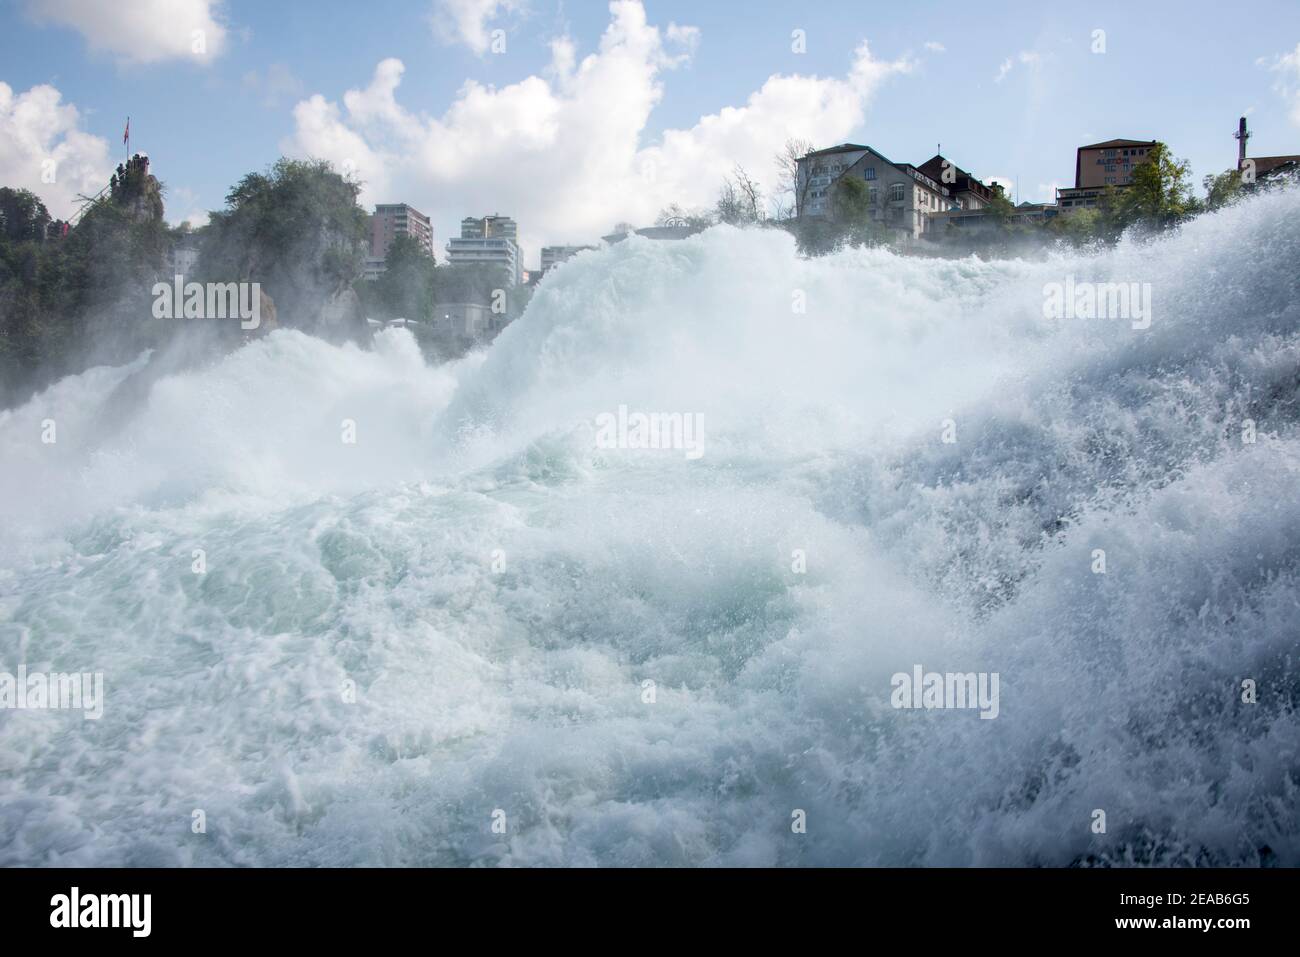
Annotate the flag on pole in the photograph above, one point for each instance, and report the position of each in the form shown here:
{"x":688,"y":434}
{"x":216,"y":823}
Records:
{"x":126,"y":134}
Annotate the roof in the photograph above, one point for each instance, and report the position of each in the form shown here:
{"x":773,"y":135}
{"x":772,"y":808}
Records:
{"x":842,"y":148}
{"x":933,"y":167}
{"x":1111,"y":143}
{"x":909,"y":168}
{"x":1266,"y":164}
{"x":936,"y":162}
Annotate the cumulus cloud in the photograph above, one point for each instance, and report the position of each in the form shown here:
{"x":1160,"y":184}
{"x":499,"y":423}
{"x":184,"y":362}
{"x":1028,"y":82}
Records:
{"x":43,"y":149}
{"x":1287,"y":67}
{"x":466,"y":21}
{"x":563,"y":152}
{"x":141,"y":31}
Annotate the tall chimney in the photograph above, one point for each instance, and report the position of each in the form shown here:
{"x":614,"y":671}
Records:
{"x":1242,"y":136}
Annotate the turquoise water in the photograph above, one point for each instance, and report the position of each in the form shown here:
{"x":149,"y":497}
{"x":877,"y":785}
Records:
{"x":458,"y":614}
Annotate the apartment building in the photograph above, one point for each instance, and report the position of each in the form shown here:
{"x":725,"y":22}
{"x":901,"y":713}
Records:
{"x":1100,"y":166}
{"x":489,"y":240}
{"x":966,"y":192}
{"x":552,"y":256}
{"x":495,"y":226}
{"x":902,"y":196}
{"x":387,"y":223}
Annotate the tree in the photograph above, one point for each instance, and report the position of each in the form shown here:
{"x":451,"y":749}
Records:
{"x":1078,"y":227}
{"x":675,"y":215}
{"x":740,"y":200}
{"x":84,"y":299}
{"x":406,"y":288}
{"x":850,"y":200}
{"x":1000,"y":207}
{"x":852,"y":221}
{"x":297,"y":230}
{"x":790,"y":194}
{"x":23,"y":217}
{"x":854,"y":214}
{"x":1160,"y":193}
{"x":1222,"y":190}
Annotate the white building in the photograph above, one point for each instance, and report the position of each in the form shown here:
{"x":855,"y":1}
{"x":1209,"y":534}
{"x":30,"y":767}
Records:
{"x":900,"y":195}
{"x":554,"y":255}
{"x":491,"y":240}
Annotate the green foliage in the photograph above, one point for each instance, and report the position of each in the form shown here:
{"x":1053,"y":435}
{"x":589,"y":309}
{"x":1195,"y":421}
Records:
{"x":1001,"y":207}
{"x":297,"y":230}
{"x":68,"y":302}
{"x":473,"y":283}
{"x":1160,"y":194}
{"x":1079,"y":228}
{"x":23,"y":217}
{"x":1223,"y":190}
{"x":411,"y":286}
{"x":406,"y":289}
{"x":851,"y":200}
{"x":852,"y":221}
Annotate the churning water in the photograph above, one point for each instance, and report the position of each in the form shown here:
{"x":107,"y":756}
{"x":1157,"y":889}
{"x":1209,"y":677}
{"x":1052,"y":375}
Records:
{"x":498,"y":589}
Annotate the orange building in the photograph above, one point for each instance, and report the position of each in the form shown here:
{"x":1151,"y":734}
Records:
{"x":1101,"y":165}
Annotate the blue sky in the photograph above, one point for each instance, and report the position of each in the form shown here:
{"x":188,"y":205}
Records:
{"x":569,"y":157}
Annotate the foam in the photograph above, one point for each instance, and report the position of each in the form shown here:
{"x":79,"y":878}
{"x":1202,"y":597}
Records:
{"x":521,"y":688}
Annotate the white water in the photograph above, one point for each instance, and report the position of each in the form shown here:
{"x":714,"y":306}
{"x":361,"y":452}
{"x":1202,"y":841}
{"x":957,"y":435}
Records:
{"x":522,"y":690}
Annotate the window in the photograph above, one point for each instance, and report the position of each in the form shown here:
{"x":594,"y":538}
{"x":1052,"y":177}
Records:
{"x":896,"y":192}
{"x":873,"y":195}
{"x":869,"y":173}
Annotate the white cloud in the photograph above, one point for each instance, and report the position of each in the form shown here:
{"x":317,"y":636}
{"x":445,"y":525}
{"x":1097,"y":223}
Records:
{"x":1006,"y":182}
{"x":1047,"y":191}
{"x":141,"y":31}
{"x":40,"y":139}
{"x":934,"y":46}
{"x":466,"y":21}
{"x":1287,"y":66}
{"x":687,"y":38}
{"x":563,"y":152}
{"x":183,"y":207}
{"x":1025,"y":57}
